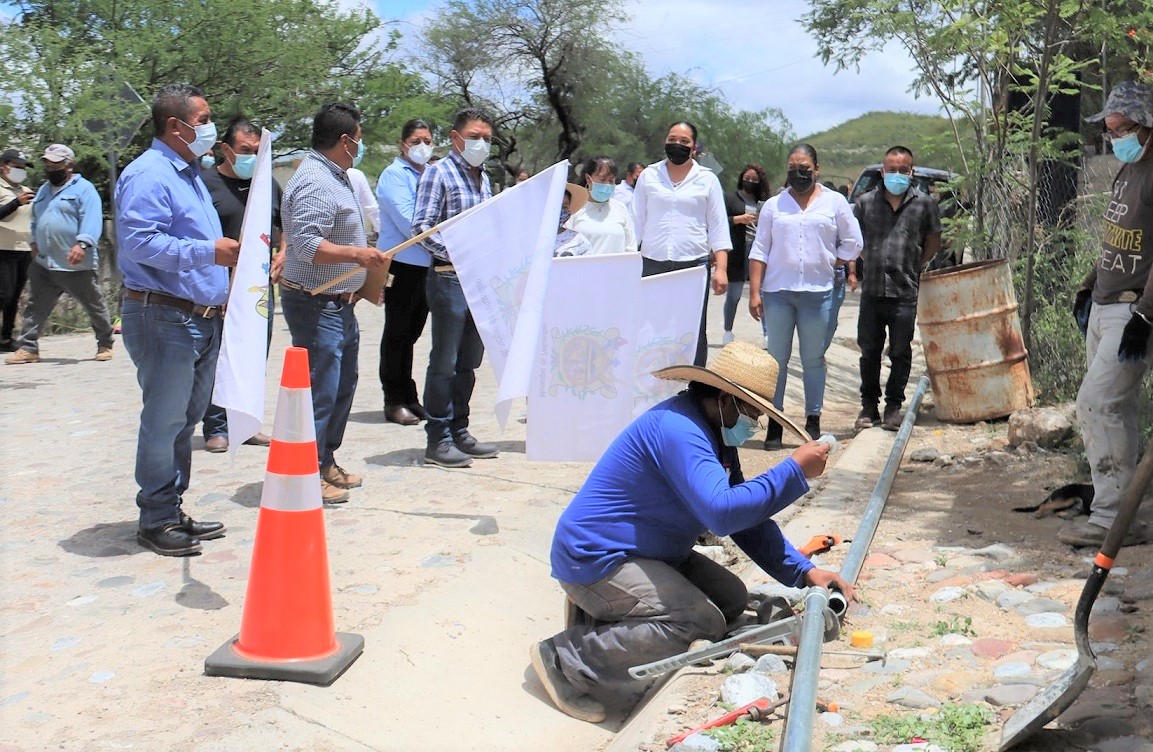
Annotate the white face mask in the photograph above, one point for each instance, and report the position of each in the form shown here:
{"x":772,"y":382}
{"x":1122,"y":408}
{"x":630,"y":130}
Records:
{"x":17,"y":174}
{"x":420,"y":153}
{"x":204,"y":141}
{"x":476,"y":150}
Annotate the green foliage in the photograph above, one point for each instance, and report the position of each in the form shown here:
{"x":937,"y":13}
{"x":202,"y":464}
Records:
{"x":743,"y":736}
{"x":962,"y":625}
{"x":957,"y":728}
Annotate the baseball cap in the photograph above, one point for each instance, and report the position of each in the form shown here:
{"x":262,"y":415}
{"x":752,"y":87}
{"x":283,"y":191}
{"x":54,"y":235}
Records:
{"x":15,"y":157}
{"x":1131,"y":99}
{"x":58,"y":153}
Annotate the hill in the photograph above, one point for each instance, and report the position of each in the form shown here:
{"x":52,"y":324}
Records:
{"x":850,"y":146}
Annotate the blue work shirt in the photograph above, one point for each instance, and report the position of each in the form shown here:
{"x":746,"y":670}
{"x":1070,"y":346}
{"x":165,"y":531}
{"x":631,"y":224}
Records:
{"x":62,"y":218}
{"x":396,"y":196}
{"x":663,"y":482}
{"x":167,"y":228}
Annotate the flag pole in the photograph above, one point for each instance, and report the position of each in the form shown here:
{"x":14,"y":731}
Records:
{"x":388,"y":254}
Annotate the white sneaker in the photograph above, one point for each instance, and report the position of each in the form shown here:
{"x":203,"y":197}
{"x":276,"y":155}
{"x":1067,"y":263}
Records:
{"x":727,"y":338}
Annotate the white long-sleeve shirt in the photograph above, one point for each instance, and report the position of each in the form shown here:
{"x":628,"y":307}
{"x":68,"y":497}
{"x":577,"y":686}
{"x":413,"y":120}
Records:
{"x":799,"y":247}
{"x":682,"y":222}
{"x":366,"y":198}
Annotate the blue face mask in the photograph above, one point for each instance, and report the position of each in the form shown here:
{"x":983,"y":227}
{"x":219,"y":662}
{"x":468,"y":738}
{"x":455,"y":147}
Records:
{"x":601,"y":192}
{"x":740,"y":432}
{"x":207,"y":161}
{"x":244,"y":166}
{"x":1128,"y":149}
{"x":896,"y":183}
{"x":359,"y":152}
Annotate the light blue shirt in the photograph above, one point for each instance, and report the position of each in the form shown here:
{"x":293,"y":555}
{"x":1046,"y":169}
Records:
{"x":60,"y":219}
{"x":167,"y":228}
{"x":396,"y":195}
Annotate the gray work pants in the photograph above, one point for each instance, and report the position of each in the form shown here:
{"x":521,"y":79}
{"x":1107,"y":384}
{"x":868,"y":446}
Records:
{"x":1107,"y":410}
{"x":646,"y":610}
{"x":45,"y":287}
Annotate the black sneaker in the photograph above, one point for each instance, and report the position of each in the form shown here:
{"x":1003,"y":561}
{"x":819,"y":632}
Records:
{"x":468,"y":444}
{"x":168,"y":540}
{"x":773,"y":437}
{"x":813,"y":426}
{"x":446,"y":454}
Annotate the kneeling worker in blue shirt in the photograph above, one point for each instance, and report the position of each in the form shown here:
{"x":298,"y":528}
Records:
{"x":623,"y":549}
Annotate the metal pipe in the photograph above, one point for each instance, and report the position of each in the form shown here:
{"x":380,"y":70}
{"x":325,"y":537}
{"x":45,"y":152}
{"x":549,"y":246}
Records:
{"x":859,"y":549}
{"x":798,"y":734}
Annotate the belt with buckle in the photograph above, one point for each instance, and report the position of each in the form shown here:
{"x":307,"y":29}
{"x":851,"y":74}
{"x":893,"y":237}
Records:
{"x":159,"y":298}
{"x":1129,"y":296}
{"x":444,"y":269}
{"x":342,"y":297}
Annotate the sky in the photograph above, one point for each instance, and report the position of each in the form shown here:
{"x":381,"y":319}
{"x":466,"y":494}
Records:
{"x":755,"y":51}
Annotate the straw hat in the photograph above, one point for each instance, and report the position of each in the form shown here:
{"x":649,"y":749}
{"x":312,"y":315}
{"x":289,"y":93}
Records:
{"x":579,"y":197}
{"x":744,"y":371}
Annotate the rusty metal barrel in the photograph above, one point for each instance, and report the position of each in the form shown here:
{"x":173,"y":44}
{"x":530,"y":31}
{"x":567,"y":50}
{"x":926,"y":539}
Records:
{"x":971,"y":336}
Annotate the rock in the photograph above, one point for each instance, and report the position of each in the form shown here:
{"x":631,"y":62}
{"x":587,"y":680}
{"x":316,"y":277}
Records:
{"x":908,"y":653}
{"x":1140,"y":591}
{"x":855,"y":745}
{"x":947,"y":594}
{"x":1057,"y":660}
{"x":992,"y":647}
{"x":699,"y":742}
{"x":742,"y":689}
{"x":996,"y":552}
{"x":866,"y":685}
{"x":1098,"y":702}
{"x":940,"y":575}
{"x":879,"y":561}
{"x":1012,"y":670}
{"x":1020,"y":579}
{"x":1108,"y":628}
{"x":739,"y":663}
{"x":1105,"y":605}
{"x":893,"y":609}
{"x":1106,"y":647}
{"x":1040,"y":587}
{"x":832,"y":720}
{"x":1012,"y":598}
{"x":1143,"y":666}
{"x":886,"y":667}
{"x":1041,"y":606}
{"x":1046,"y":620}
{"x":999,"y":459}
{"x":1010,"y":694}
{"x":955,"y":640}
{"x":954,"y":683}
{"x":989,"y":589}
{"x":911,"y":697}
{"x":770,"y":664}
{"x":1105,"y":663}
{"x":945,"y":460}
{"x":914,"y":556}
{"x":1044,"y":426}
{"x":715,"y":553}
{"x":927,"y":454}
{"x":1026,"y":448}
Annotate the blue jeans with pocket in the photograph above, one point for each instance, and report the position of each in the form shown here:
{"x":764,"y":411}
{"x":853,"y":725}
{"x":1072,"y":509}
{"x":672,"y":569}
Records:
{"x":175,"y":356}
{"x":806,"y":313}
{"x":457,"y":351}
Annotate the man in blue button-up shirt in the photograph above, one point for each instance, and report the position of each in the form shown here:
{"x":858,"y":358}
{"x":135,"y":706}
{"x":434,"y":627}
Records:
{"x":66,"y":223}
{"x":173,"y":256}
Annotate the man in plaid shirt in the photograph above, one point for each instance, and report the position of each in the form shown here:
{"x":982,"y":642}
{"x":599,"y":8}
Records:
{"x":447,"y":188}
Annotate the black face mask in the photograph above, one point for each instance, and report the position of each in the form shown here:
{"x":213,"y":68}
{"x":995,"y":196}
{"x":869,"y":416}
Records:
{"x":750,"y":187}
{"x":57,"y":177}
{"x":678,"y":154}
{"x":800,"y":180}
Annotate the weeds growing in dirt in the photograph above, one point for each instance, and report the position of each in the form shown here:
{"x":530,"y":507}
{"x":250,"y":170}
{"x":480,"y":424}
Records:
{"x":957,"y":728}
{"x":962,"y":625}
{"x":743,"y":736}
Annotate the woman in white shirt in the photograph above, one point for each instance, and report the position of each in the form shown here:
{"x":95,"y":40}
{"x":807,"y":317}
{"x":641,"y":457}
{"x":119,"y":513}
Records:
{"x":679,"y":213}
{"x":803,"y":233}
{"x":603,"y":221}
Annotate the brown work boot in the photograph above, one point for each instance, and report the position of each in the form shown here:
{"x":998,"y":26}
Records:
{"x":1084,"y":533}
{"x":339,"y":477}
{"x":22,"y":356}
{"x":571,"y":701}
{"x":892,"y":421}
{"x":104,"y":353}
{"x":330,"y":494}
{"x":216,"y":444}
{"x":868,"y":418}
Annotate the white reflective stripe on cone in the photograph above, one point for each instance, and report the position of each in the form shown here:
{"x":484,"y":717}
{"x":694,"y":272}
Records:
{"x":294,"y":421}
{"x":291,"y":493}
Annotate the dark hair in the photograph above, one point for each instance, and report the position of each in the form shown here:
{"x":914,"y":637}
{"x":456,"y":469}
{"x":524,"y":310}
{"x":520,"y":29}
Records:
{"x":239,"y":125}
{"x":468,"y":114}
{"x":416,"y":124}
{"x":331,"y":122}
{"x":703,"y":391}
{"x":764,"y":188}
{"x":593,"y":165}
{"x":172,"y":101}
{"x":688,"y":125}
{"x":900,"y":151}
{"x":633,"y":165}
{"x":805,"y":149}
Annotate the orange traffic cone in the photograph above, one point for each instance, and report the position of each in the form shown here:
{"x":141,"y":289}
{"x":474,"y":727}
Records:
{"x":286,"y":629}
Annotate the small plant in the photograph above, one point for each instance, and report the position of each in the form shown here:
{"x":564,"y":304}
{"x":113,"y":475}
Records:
{"x":941,"y":560}
{"x":962,"y":625}
{"x":743,"y":736}
{"x":957,"y":728}
{"x":900,"y":627}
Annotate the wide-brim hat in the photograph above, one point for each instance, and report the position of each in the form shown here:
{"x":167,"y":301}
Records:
{"x":744,"y":371}
{"x":1129,"y":98}
{"x":579,"y":197}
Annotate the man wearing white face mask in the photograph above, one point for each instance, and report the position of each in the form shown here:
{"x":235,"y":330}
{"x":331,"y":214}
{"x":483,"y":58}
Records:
{"x":228,"y":183}
{"x":1113,"y":309}
{"x":174,"y":258}
{"x":15,"y":239}
{"x":446,"y":189}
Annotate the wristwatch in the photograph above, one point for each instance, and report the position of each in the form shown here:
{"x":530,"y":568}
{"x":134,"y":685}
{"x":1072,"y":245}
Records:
{"x":84,"y":245}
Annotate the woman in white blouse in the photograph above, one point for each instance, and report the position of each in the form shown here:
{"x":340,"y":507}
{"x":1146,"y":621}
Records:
{"x":803,"y":233}
{"x":679,"y":214}
{"x":603,"y":221}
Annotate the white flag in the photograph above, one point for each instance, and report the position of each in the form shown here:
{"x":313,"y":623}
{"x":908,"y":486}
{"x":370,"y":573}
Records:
{"x":667,"y":330}
{"x":240,"y":370}
{"x":502,"y":250}
{"x":582,"y":390}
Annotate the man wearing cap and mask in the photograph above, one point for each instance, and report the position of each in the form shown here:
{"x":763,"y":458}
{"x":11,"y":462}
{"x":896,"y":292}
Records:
{"x":623,"y":549}
{"x":67,"y":219}
{"x":174,"y":258}
{"x":15,"y":239}
{"x":1114,"y":310}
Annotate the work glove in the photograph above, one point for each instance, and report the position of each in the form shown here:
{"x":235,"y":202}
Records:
{"x":1082,"y":304}
{"x":1134,"y":340}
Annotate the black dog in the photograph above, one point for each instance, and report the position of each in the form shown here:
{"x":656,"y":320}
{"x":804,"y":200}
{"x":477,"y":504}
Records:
{"x":1063,"y":502}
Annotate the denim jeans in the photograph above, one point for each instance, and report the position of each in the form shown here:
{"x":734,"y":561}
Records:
{"x":327,"y":328}
{"x":877,"y":315}
{"x":835,"y":308}
{"x":216,"y":417}
{"x":456,"y":354}
{"x":732,"y":301}
{"x":175,"y":356}
{"x":649,"y":267}
{"x":808,"y":314}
